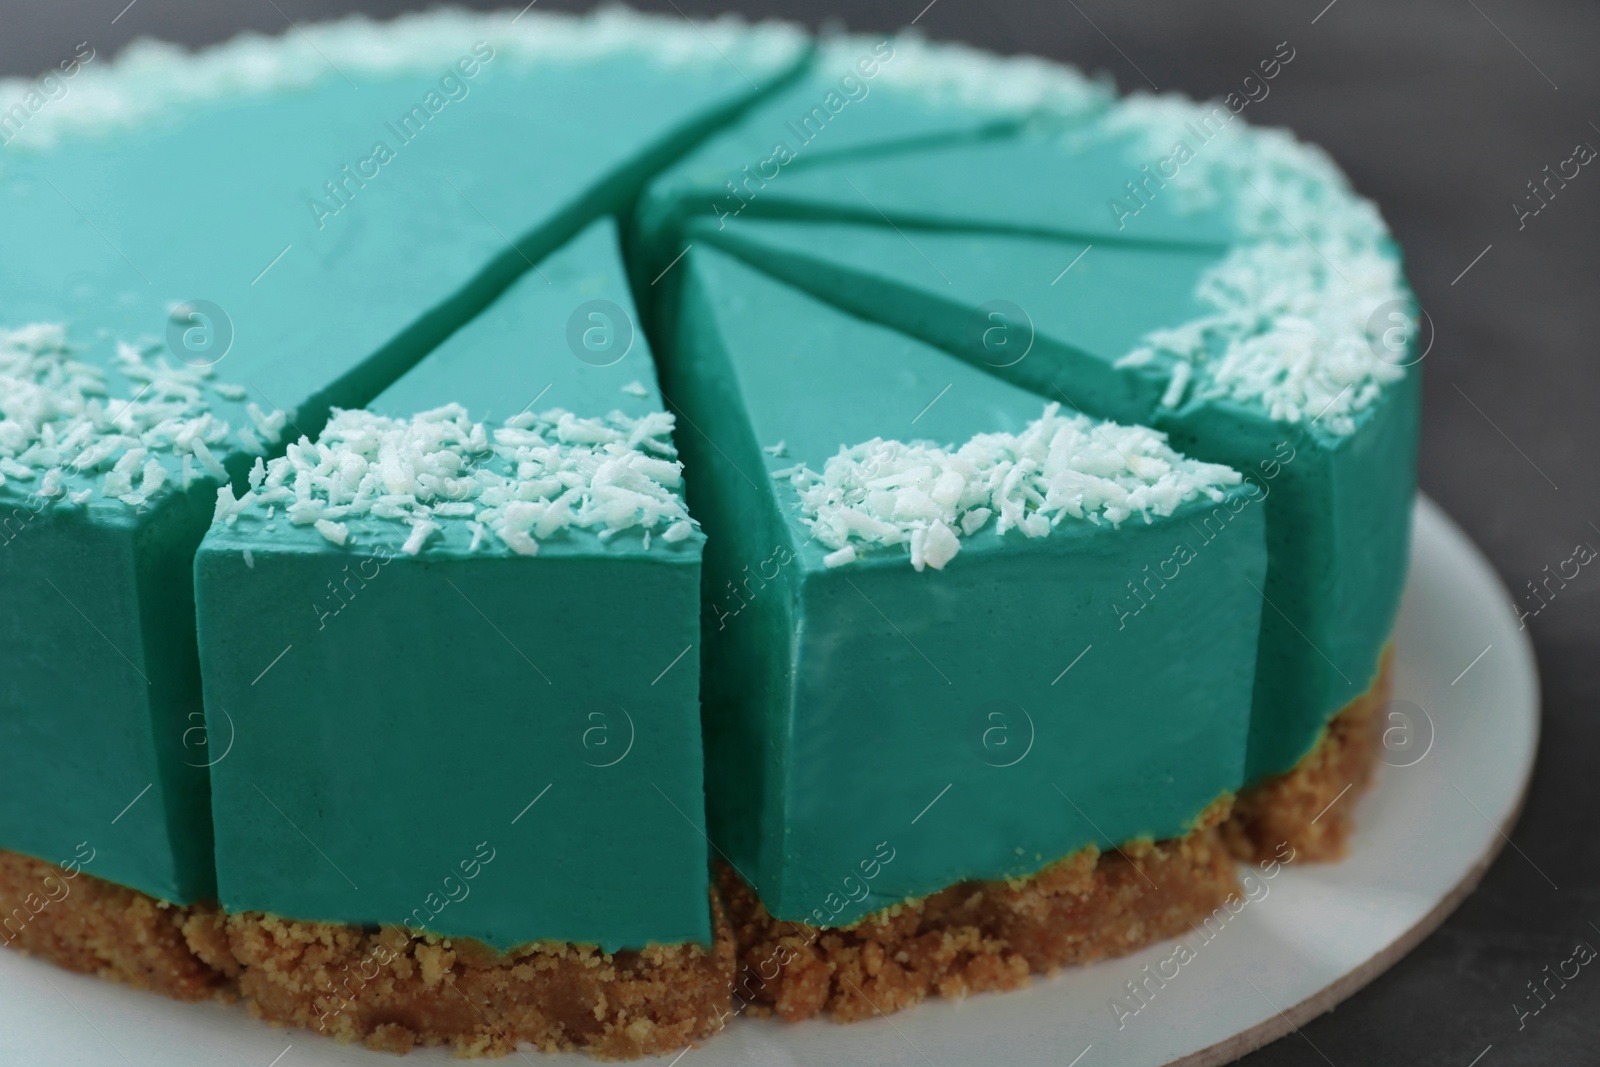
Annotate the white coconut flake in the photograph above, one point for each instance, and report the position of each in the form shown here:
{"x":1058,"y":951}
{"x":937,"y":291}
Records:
{"x":1059,"y":468}
{"x":521,"y":482}
{"x":777,"y":451}
{"x":635,"y":388}
{"x":225,"y":504}
{"x":1295,"y":302}
{"x":839,"y":557}
{"x":336,"y":532}
{"x":58,"y":419}
{"x":951,"y":75}
{"x":421,"y":530}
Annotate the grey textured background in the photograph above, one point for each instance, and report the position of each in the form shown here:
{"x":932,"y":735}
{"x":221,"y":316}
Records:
{"x":1442,"y":111}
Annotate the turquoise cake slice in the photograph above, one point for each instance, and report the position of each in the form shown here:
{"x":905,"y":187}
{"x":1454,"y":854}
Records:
{"x":517,"y":623}
{"x":1141,"y":171}
{"x":106,"y":473}
{"x":221,"y":248}
{"x":932,"y":600}
{"x":450,"y":646}
{"x":1277,"y":356}
{"x":861,"y":98}
{"x":1052,"y":315}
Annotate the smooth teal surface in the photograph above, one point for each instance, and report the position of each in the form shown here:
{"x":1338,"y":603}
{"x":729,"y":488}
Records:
{"x":420,"y":703}
{"x":102,"y":741}
{"x":1051,"y":315}
{"x":869,"y":710}
{"x":859,"y":97}
{"x":566,"y":335}
{"x":1045,"y":182}
{"x":1338,"y":535}
{"x":215,"y":201}
{"x":1339,"y":507}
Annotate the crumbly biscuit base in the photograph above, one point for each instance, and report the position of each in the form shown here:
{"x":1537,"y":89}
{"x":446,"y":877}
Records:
{"x":92,"y":926}
{"x":981,"y":936}
{"x":1309,"y":807}
{"x":380,"y":985}
{"x":393,"y":991}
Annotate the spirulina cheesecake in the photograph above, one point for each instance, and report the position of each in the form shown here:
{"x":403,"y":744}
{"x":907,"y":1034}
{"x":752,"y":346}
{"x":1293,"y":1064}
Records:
{"x":529,"y":530}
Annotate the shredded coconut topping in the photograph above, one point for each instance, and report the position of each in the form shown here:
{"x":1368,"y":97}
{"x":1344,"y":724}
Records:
{"x":151,"y":77}
{"x":523,"y":481}
{"x":928,"y":497}
{"x":1293,"y":328}
{"x":953,"y":74}
{"x":58,"y":420}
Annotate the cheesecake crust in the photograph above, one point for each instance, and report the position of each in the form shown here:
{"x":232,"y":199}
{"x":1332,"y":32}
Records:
{"x":1308,"y":808}
{"x":89,"y":925}
{"x":381,"y":986}
{"x":980,"y":937}
{"x":393,"y":991}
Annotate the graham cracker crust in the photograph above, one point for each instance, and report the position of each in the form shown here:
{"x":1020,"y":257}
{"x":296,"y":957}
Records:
{"x":1308,"y":807}
{"x":381,"y":986}
{"x":394,"y":991}
{"x":92,"y":926}
{"x":981,"y":936}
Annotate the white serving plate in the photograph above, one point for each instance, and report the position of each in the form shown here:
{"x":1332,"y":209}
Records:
{"x":1464,"y":727}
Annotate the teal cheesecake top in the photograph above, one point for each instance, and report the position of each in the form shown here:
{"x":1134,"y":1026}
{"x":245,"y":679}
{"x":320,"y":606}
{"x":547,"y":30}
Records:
{"x":417,"y":465}
{"x":374,"y":183}
{"x":863,"y":96}
{"x":75,"y":433}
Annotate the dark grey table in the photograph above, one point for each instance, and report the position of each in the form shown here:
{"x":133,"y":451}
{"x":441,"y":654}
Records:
{"x":1442,"y":111}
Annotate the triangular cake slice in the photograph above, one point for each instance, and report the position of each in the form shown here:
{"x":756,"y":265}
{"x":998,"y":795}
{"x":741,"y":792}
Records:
{"x":198,"y":268}
{"x":863,"y":98}
{"x":462,"y":624}
{"x":1277,"y":358}
{"x":932,"y":604}
{"x":1149,"y":170}
{"x":1049,"y":314}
